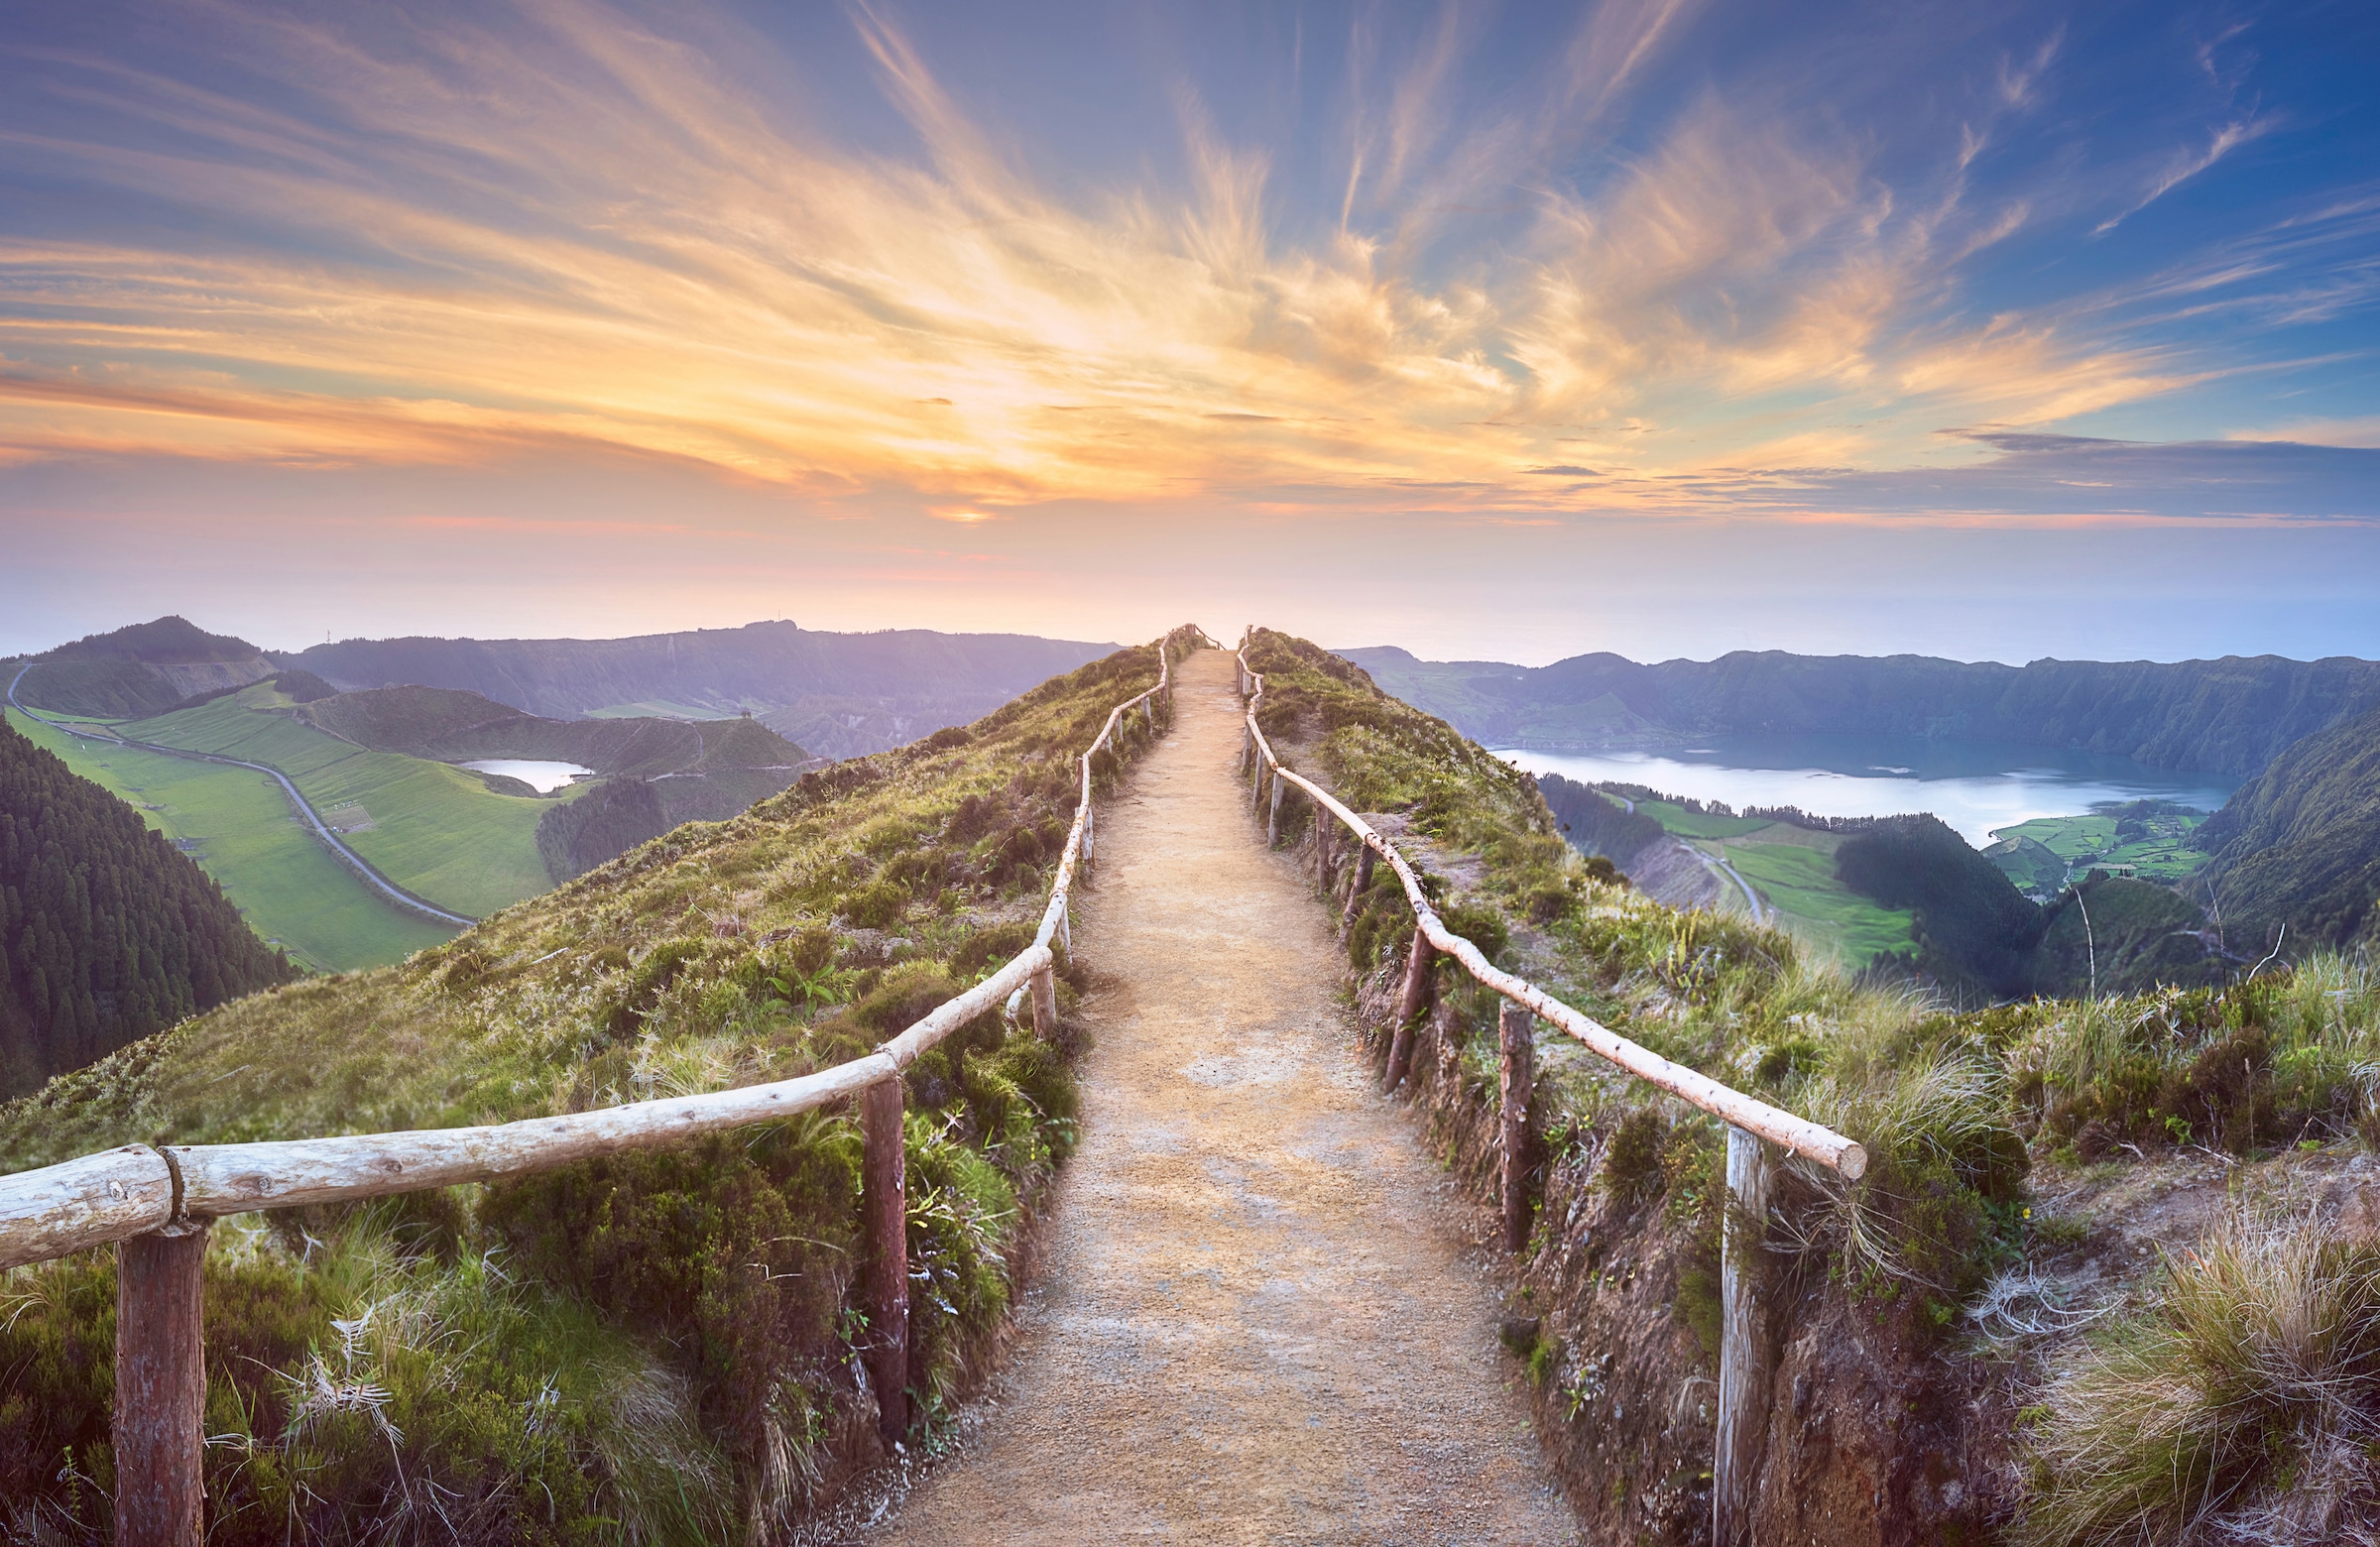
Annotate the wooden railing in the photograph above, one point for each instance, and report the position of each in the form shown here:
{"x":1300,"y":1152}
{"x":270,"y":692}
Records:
{"x":1752,"y":1123}
{"x":157,"y":1202}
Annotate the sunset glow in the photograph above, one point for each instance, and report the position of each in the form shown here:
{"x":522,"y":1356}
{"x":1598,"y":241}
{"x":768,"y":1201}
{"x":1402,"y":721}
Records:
{"x":772,"y":279}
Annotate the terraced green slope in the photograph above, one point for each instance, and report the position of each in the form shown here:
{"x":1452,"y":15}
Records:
{"x":238,"y":826}
{"x":436,"y":830}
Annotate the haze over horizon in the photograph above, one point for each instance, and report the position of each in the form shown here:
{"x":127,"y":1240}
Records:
{"x":1660,"y":328}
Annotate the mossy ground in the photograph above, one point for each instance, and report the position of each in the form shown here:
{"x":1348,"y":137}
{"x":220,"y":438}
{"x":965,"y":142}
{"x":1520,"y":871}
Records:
{"x":651,"y":1347}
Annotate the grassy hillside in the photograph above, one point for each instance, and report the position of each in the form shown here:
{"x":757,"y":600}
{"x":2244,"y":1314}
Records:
{"x":1943,"y":1277}
{"x":1791,"y":867}
{"x":653,"y":1348}
{"x":2298,"y":846}
{"x":143,"y":669}
{"x":240,"y":827}
{"x":435,"y":830}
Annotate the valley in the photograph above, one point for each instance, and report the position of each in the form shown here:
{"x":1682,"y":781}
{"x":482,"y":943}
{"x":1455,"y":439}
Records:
{"x":433,"y":829}
{"x":239,"y":826}
{"x":468,"y":801}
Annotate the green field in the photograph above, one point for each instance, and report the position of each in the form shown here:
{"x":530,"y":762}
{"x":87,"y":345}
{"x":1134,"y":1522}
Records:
{"x":436,"y":830}
{"x":241,"y":827}
{"x":1696,"y":824}
{"x":2160,"y":846}
{"x":1794,"y":872}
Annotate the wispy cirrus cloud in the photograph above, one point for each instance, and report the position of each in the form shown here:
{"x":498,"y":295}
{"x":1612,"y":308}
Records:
{"x":453,"y":238}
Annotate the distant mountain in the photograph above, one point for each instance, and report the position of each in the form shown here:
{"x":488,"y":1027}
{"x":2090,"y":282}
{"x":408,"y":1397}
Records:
{"x":2298,"y":845}
{"x":839,"y":695}
{"x":107,"y":933}
{"x":143,"y":670}
{"x":2227,"y":716}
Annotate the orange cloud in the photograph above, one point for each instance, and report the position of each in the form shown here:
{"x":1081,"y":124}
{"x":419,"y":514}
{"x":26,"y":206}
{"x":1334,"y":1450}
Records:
{"x":665,"y":269}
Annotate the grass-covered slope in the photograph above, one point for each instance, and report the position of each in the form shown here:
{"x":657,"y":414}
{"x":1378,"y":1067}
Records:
{"x":141,"y":669}
{"x":2020,"y":1223}
{"x":656,"y":1347}
{"x":239,"y":826}
{"x":2298,"y":846}
{"x":436,"y":830}
{"x":107,"y":933}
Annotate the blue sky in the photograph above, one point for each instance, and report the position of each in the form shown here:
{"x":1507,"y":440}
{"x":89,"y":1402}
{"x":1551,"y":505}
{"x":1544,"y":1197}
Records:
{"x":1987,"y":330}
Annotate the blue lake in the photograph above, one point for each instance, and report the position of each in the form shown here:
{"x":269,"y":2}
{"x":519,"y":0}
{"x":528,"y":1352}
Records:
{"x":1975,"y":786}
{"x":540,"y":774}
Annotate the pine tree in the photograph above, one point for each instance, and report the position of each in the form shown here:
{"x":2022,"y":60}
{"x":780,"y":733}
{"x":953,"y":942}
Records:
{"x":107,"y":931}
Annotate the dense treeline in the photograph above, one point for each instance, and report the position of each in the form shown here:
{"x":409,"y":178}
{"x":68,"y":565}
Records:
{"x":1597,"y":823}
{"x":602,"y":824}
{"x":1974,"y":930}
{"x":106,"y":932}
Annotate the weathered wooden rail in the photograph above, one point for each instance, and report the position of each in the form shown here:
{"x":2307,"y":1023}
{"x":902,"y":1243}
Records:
{"x":1753,"y":1125}
{"x":156,"y":1203}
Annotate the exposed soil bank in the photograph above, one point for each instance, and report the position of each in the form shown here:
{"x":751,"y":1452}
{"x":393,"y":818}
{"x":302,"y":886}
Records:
{"x":1258,"y":1318}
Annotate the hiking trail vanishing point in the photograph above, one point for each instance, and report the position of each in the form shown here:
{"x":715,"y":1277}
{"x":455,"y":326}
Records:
{"x":1259,"y":1313}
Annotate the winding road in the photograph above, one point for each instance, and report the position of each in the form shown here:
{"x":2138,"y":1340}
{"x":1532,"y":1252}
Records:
{"x":362,"y":866}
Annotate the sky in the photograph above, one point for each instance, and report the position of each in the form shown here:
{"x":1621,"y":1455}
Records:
{"x":1979,"y":330}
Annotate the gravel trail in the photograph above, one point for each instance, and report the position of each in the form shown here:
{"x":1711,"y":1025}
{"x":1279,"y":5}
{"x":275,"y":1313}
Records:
{"x":1260,"y":1316}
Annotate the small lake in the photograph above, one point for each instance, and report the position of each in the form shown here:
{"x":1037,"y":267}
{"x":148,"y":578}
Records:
{"x":1975,"y":786}
{"x":543,"y":778}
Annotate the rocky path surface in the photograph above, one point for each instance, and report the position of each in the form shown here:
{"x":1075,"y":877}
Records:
{"x":1258,"y":1316}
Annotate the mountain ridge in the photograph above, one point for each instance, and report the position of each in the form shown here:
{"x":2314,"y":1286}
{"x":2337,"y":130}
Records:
{"x":839,"y":695}
{"x":2230,"y":715}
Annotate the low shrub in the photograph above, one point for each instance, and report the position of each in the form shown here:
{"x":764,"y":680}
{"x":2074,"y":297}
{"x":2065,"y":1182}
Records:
{"x":2243,"y":1405}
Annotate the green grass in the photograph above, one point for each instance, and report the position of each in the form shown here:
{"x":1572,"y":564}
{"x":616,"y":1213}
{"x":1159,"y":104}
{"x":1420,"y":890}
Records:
{"x":437,"y":830}
{"x":2241,"y":1405}
{"x":648,"y":1347}
{"x":1798,"y":880}
{"x":2166,"y":853}
{"x":1697,"y":824}
{"x":290,"y":888}
{"x":1793,"y":870}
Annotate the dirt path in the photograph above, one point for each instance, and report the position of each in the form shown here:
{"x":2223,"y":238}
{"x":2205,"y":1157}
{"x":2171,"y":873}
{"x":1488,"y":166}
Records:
{"x":1258,"y":1319}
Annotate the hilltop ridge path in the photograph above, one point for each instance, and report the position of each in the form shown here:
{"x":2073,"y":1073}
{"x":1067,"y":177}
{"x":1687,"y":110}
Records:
{"x":1258,"y":1317}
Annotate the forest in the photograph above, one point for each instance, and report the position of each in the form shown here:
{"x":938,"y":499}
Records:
{"x":107,"y":933}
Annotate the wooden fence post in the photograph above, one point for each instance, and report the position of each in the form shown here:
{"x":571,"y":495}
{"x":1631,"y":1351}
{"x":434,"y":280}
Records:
{"x":1516,"y":1027}
{"x":1045,"y":1004}
{"x":1420,"y":967}
{"x":160,"y":1387}
{"x":1273,"y":823}
{"x":1356,"y":889}
{"x":1743,"y":1372}
{"x":1322,"y":851}
{"x":885,"y":1222}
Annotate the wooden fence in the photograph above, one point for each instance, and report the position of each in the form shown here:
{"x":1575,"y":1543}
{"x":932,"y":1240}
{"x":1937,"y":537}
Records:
{"x":1753,"y":1125}
{"x":156,"y":1202}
